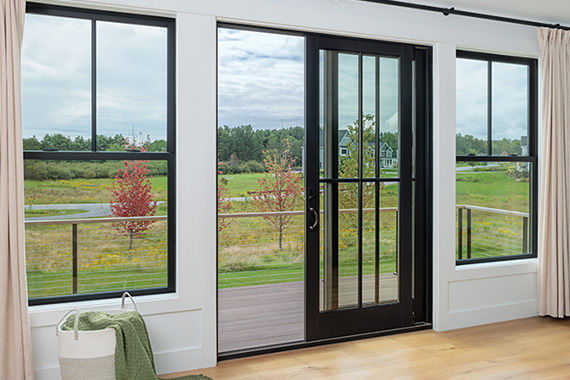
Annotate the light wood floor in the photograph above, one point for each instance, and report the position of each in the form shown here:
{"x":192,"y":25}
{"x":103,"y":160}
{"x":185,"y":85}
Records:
{"x":531,"y":348}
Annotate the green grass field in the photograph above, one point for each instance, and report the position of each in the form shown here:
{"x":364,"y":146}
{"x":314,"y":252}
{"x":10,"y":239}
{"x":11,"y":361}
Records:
{"x":239,"y":184}
{"x":80,"y":191}
{"x":492,"y":189}
{"x":248,"y":251}
{"x":31,"y":213}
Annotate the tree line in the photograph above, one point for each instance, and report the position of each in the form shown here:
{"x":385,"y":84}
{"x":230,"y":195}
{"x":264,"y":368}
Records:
{"x":79,"y":143}
{"x":467,"y":145}
{"x":241,"y":149}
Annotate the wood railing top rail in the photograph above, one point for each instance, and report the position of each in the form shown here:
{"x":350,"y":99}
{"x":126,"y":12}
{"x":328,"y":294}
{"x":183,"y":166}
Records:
{"x":493,"y":210}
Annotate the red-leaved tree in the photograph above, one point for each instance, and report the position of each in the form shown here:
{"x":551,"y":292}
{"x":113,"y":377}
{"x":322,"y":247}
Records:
{"x":278,"y":190}
{"x":131,"y":196}
{"x":224,"y":201}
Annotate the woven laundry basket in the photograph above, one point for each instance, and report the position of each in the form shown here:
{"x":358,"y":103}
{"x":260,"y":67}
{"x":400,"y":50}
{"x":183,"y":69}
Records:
{"x":87,"y":355}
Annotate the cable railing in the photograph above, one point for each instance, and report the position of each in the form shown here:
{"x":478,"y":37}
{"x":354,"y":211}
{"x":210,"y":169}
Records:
{"x":484,"y":232}
{"x":254,"y":252}
{"x":90,"y":255}
{"x":78,"y":256}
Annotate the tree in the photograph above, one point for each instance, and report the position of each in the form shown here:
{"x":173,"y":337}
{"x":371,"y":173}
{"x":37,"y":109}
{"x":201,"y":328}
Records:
{"x":224,"y":200}
{"x":131,"y":195}
{"x":279,"y":189}
{"x":31,"y":143}
{"x":348,"y":192}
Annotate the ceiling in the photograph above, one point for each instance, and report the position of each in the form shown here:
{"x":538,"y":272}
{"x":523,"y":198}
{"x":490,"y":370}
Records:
{"x":547,"y":11}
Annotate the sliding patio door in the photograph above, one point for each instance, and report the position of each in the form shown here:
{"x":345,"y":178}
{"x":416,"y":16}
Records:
{"x":359,"y":179}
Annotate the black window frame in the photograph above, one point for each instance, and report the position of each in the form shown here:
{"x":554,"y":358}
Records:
{"x":169,"y":156}
{"x":532,"y":134}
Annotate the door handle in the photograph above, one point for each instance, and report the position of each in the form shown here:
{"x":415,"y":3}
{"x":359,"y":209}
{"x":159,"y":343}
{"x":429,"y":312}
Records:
{"x":312,"y":209}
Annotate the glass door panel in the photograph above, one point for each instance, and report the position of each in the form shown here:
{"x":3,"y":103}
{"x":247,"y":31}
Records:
{"x":364,"y":181}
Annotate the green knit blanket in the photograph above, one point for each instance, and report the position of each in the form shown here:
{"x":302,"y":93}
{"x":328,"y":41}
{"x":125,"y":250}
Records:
{"x":133,"y":354}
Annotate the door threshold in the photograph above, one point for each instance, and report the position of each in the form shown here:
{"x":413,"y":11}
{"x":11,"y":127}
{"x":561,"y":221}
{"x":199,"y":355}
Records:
{"x":237,"y":354}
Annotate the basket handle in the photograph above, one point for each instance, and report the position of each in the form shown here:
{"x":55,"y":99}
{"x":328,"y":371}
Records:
{"x":75,"y":324}
{"x":126,"y":294}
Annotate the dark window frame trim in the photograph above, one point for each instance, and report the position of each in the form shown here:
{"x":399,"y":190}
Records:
{"x":169,"y":156}
{"x":532,"y":156}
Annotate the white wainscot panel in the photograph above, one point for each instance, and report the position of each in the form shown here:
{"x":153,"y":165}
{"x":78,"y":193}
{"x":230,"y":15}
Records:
{"x":176,"y":340}
{"x":492,"y":299}
{"x":44,"y":350}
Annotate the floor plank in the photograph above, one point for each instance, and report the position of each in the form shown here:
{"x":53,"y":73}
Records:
{"x":262,"y":315}
{"x":530,"y":348}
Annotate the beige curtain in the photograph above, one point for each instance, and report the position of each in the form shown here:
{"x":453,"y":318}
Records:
{"x":15,"y":347}
{"x":554,"y":233}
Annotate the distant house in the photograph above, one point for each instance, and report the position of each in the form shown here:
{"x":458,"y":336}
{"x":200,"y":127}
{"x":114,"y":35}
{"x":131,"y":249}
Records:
{"x":388,"y":158}
{"x":524,"y":151}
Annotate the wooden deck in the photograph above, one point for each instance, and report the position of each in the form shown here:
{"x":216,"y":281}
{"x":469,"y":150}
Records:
{"x":256,"y":316}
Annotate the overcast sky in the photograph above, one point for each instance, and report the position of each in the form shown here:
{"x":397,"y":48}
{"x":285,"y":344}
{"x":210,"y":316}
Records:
{"x":510,"y":99}
{"x":260,"y":79}
{"x":260,"y":82}
{"x":56,"y":78}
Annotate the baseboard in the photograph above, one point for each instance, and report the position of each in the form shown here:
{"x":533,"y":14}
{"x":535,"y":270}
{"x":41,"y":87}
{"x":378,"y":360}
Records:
{"x":493,"y":314}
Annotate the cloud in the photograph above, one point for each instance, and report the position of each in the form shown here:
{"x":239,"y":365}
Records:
{"x":510,"y":99}
{"x":56,"y":77}
{"x":260,"y":79}
{"x":392,"y":124}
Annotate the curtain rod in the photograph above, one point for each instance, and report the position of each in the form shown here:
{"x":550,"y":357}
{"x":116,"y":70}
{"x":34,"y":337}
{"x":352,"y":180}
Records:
{"x":453,"y":11}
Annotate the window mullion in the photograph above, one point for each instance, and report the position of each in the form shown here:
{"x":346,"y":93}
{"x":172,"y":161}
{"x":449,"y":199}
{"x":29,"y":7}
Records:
{"x":93,"y":84}
{"x":489,"y":108}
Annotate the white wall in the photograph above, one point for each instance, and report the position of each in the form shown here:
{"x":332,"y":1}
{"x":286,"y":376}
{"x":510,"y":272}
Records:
{"x":183,"y":325}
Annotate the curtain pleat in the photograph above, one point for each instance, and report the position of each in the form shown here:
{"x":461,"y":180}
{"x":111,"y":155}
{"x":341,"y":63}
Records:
{"x":15,"y":346}
{"x":554,"y":235}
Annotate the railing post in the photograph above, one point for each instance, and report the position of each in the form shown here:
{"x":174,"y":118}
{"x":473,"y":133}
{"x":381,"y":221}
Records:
{"x":74,"y":257}
{"x":525,"y":235}
{"x":468,"y":233}
{"x":459,"y":233}
{"x":397,"y":237}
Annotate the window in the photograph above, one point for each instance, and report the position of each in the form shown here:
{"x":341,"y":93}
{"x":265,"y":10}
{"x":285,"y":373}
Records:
{"x":99,"y":157}
{"x":496,"y":171}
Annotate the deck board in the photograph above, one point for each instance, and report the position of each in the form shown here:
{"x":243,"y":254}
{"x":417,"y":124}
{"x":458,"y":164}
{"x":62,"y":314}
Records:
{"x":262,"y":315}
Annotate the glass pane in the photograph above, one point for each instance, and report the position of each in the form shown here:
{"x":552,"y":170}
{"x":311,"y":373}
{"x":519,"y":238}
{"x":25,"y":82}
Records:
{"x":389,"y":119}
{"x":348,"y":245}
{"x":471,"y":107}
{"x":369,"y":115}
{"x":510,"y":109}
{"x":260,"y":203}
{"x":111,"y":256}
{"x":56,"y":83}
{"x":380,"y":264}
{"x":131,"y":86}
{"x":348,"y":143}
{"x":389,"y":239}
{"x":493,"y":209}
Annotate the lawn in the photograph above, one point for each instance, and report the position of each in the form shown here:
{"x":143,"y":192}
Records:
{"x":492,"y":189}
{"x":239,"y":184}
{"x":81,"y":190}
{"x":248,"y":251}
{"x":34,"y":213}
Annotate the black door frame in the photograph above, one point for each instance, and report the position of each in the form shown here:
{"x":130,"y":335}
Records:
{"x":322,"y":325}
{"x":422,"y":305}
